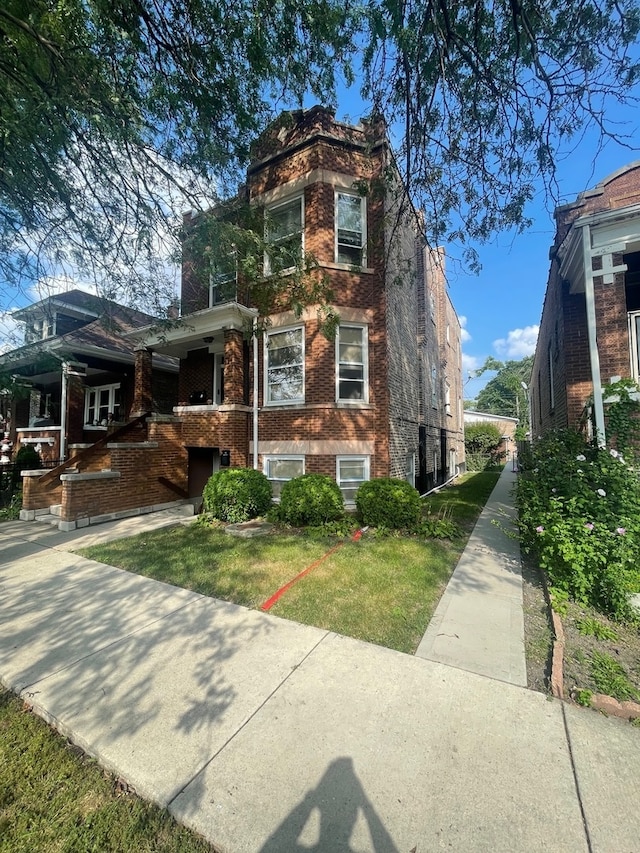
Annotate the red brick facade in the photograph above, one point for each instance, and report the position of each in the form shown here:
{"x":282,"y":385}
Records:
{"x":562,"y":380}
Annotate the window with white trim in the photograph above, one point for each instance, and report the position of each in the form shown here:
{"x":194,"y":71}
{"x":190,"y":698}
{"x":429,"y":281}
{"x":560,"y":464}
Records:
{"x":634,"y":341}
{"x":352,"y":363}
{"x":284,"y":360}
{"x":100,"y":403}
{"x":284,"y":233}
{"x":410,"y":469}
{"x":351,"y":229}
{"x":223,"y":280}
{"x":38,"y":330}
{"x":280,"y":469}
{"x":351,"y":471}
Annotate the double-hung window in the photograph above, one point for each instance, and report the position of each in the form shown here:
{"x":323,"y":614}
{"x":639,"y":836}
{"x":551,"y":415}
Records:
{"x":101,"y":402}
{"x":284,"y":234}
{"x":280,"y":469}
{"x":352,"y":363}
{"x":350,"y":229}
{"x":351,"y":471}
{"x":223,"y":280}
{"x":284,"y":360}
{"x":634,"y":339}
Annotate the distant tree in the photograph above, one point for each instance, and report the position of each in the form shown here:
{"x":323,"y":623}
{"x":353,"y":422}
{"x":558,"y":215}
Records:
{"x":504,"y":394}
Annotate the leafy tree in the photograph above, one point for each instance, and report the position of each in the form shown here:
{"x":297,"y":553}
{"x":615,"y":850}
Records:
{"x":504,"y":394}
{"x":113,"y":115}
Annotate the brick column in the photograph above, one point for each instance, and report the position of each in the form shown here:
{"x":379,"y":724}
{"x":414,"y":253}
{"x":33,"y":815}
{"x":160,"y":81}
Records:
{"x":233,"y":367}
{"x":142,"y":393}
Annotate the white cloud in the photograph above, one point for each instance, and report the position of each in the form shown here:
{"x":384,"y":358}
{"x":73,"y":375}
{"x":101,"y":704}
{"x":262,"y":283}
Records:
{"x":464,"y":334}
{"x":518,"y":343}
{"x":470,"y":363}
{"x":11,"y":333}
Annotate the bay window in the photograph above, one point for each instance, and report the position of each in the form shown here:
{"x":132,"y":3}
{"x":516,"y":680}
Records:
{"x":350,"y":229}
{"x":284,"y":233}
{"x":284,"y":360}
{"x":352,"y":363}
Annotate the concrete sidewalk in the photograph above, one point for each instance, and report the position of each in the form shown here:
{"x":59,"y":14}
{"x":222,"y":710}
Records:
{"x":265,"y":735}
{"x":478,"y":624}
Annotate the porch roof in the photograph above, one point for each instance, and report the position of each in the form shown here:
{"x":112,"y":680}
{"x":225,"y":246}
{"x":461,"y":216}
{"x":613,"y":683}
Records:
{"x":176,"y":337}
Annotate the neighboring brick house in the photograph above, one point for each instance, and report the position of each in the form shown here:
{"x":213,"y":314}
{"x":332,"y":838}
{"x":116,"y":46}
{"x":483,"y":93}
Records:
{"x":76,"y":373}
{"x":589,"y":332}
{"x":505,"y":424}
{"x":384,"y":398}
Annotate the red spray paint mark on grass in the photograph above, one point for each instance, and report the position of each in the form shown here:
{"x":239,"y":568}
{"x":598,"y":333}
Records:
{"x":271,"y":601}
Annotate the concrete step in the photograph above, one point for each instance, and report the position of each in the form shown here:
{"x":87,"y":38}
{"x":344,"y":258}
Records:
{"x":53,"y":520}
{"x":56,"y":509}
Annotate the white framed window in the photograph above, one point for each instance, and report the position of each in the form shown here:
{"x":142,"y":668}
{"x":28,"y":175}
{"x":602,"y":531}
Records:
{"x":284,"y":232}
{"x":434,"y":387}
{"x":634,"y":341}
{"x":410,"y":469}
{"x":223,"y":279}
{"x":284,"y":371}
{"x":351,"y":471}
{"x":38,"y":330}
{"x":351,"y":229}
{"x":352,"y":364}
{"x":447,"y":398}
{"x":102,"y":404}
{"x":279,"y":469}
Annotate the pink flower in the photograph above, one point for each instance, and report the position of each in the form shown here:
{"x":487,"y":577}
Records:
{"x":540,"y":529}
{"x":621,"y":531}
{"x":588,"y":526}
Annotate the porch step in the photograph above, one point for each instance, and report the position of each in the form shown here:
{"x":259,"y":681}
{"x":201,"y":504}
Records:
{"x":56,"y":509}
{"x":53,"y":520}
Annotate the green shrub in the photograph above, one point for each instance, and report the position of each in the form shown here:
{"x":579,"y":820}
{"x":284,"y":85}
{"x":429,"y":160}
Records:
{"x":312,"y":499}
{"x":26,"y":459}
{"x":579,"y":513}
{"x":481,"y":442}
{"x":386,"y":502}
{"x":237,"y":494}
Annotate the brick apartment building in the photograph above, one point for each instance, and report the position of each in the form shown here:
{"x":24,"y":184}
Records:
{"x":384,"y":398}
{"x":589,"y":331}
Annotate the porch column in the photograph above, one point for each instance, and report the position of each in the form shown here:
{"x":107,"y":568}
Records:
{"x":142,"y":390}
{"x":233,"y":367}
{"x":594,"y":355}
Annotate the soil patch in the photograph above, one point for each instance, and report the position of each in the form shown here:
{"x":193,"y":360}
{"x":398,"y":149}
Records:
{"x":601,"y":656}
{"x":538,"y":631}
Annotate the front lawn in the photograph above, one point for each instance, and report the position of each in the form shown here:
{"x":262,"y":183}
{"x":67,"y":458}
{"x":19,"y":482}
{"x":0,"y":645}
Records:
{"x":379,"y":589}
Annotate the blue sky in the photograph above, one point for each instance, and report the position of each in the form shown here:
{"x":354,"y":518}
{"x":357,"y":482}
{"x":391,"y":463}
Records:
{"x":500,"y":308}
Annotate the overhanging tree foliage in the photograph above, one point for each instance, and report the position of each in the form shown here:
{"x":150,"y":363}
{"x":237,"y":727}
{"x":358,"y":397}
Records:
{"x":109,"y":109}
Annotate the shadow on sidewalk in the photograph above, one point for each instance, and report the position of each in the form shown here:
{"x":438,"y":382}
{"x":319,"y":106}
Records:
{"x":324,"y":821}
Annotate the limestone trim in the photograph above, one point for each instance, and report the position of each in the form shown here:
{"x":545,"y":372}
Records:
{"x":314,"y":448}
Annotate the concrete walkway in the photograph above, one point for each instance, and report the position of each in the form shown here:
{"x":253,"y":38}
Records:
{"x":267,"y":736}
{"x":479,"y":625}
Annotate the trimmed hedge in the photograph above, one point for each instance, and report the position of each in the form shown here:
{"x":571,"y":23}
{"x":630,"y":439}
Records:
{"x":387,"y":502}
{"x":237,"y":494}
{"x":311,"y":499}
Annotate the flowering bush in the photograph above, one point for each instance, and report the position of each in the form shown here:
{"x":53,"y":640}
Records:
{"x":579,"y":513}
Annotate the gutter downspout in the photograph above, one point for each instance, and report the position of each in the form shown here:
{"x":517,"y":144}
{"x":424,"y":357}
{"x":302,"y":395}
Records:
{"x":63,"y":412}
{"x":594,"y":355}
{"x":255,"y":393}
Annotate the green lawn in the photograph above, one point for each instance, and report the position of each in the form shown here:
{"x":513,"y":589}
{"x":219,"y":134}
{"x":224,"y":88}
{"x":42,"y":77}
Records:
{"x":383,"y":590}
{"x":53,"y":798}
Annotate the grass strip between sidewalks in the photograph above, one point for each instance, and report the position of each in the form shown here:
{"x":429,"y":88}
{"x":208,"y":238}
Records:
{"x":54,"y":798}
{"x":379,"y":589}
